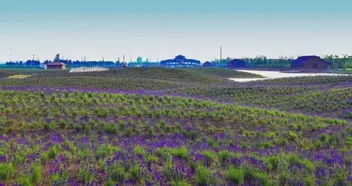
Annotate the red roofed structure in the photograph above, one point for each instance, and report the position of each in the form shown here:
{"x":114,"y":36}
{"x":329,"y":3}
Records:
{"x":55,"y":65}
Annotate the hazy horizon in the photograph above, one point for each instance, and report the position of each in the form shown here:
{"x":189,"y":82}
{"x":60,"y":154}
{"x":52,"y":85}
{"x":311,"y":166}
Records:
{"x":163,"y":29}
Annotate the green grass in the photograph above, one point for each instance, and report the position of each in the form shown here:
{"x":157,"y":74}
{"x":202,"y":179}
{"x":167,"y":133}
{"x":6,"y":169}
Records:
{"x":60,"y":136}
{"x":117,"y":138}
{"x":126,"y":78}
{"x":91,"y":83}
{"x":26,"y":109}
{"x":311,"y":99}
{"x":154,"y":73}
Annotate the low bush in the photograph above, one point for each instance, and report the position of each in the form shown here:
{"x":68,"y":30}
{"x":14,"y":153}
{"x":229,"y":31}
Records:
{"x":236,"y":176}
{"x":7,"y":171}
{"x":203,"y":176}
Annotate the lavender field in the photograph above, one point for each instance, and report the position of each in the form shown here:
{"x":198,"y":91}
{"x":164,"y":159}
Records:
{"x":178,"y":127}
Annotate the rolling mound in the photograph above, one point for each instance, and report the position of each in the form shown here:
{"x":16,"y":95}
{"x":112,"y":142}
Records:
{"x":93,"y":138}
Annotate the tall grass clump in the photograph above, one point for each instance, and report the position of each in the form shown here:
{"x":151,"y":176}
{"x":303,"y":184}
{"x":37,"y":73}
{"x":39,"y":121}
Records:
{"x":7,"y":171}
{"x":203,"y":176}
{"x":236,"y":176}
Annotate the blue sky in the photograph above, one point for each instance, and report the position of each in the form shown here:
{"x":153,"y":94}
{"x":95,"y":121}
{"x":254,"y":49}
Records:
{"x":159,"y":29}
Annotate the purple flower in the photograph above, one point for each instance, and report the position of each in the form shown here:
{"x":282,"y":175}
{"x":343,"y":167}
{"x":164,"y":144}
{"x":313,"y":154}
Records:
{"x":319,"y":156}
{"x":320,"y":172}
{"x":337,"y":158}
{"x":2,"y":158}
{"x":56,"y":139}
{"x":22,"y":141}
{"x":3,"y":138}
{"x":85,"y":140}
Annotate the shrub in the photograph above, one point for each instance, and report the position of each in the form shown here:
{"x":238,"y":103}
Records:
{"x":211,"y":155}
{"x":117,"y":173}
{"x":109,"y":183}
{"x":24,"y":180}
{"x":339,"y":180}
{"x":52,"y":125}
{"x":291,"y":135}
{"x":273,"y":162}
{"x":19,"y":158}
{"x":333,"y":140}
{"x":136,"y":173}
{"x":111,"y":128}
{"x":213,"y":142}
{"x":261,"y":177}
{"x":152,"y":158}
{"x":59,"y":178}
{"x":309,"y":181}
{"x":6,"y":171}
{"x":163,"y":151}
{"x":190,"y":134}
{"x":53,"y":151}
{"x":179,"y":183}
{"x":181,"y":152}
{"x":170,"y":171}
{"x":85,"y":176}
{"x":224,"y":156}
{"x":106,"y":150}
{"x":284,"y":178}
{"x":294,"y":160}
{"x":102,"y":113}
{"x":122,"y":124}
{"x":349,"y":141}
{"x":265,"y":145}
{"x":203,"y":176}
{"x":348,"y":115}
{"x":138,"y":150}
{"x":63,"y":124}
{"x":83,"y":153}
{"x":235,"y":175}
{"x":36,"y":173}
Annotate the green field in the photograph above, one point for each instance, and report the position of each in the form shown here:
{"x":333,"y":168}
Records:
{"x":157,"y":126}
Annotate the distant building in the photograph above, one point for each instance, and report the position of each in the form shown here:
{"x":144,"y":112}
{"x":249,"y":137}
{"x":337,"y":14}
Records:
{"x":55,"y":65}
{"x":237,"y":63}
{"x":180,"y":61}
{"x":143,"y":64}
{"x":309,"y":63}
{"x":207,"y":64}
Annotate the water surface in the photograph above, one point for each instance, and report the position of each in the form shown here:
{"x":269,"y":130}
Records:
{"x":278,"y":74}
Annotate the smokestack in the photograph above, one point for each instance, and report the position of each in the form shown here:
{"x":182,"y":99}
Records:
{"x":220,"y":53}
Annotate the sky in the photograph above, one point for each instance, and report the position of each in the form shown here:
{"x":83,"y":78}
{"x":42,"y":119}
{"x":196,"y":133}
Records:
{"x":162,"y":29}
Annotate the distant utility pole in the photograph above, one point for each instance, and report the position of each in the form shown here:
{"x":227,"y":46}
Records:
{"x":123,"y":58}
{"x":220,"y":54}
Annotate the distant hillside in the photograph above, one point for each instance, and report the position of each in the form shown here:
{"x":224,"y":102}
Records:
{"x":155,"y":73}
{"x":126,"y":78}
